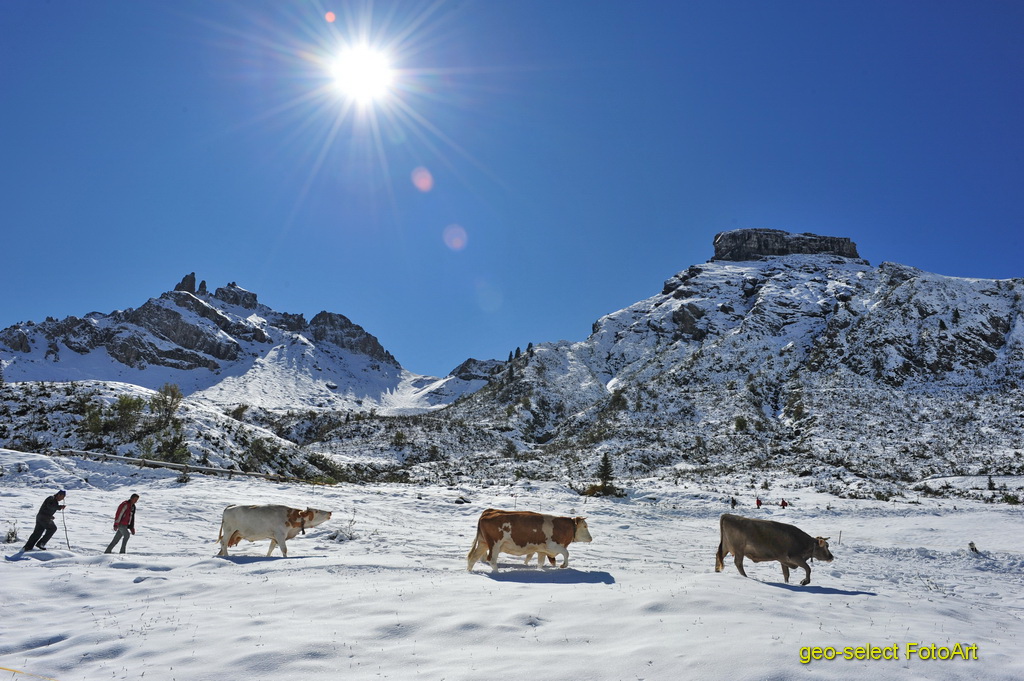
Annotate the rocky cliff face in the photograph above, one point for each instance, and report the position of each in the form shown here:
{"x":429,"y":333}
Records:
{"x":339,"y":330}
{"x":753,"y":244}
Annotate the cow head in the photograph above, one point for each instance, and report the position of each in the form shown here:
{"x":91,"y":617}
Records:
{"x":315,"y":516}
{"x":821,"y":551}
{"x":582,"y":531}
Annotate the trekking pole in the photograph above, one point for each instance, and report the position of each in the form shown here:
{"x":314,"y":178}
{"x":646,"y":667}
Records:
{"x":65,"y":523}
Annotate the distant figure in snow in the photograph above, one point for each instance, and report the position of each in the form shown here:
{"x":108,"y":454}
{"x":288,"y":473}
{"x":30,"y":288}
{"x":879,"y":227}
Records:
{"x":758,"y":502}
{"x":45,"y":527}
{"x":972,"y":547}
{"x":783,"y":504}
{"x":124,"y":523}
{"x":732,"y":501}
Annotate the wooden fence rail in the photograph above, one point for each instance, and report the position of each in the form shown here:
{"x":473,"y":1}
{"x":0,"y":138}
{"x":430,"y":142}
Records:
{"x":185,"y":467}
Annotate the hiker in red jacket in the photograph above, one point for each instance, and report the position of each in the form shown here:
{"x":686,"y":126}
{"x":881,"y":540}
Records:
{"x":124,"y":523}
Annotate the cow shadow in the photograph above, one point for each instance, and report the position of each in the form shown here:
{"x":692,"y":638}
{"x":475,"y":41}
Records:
{"x":823,"y":590}
{"x":551,"y":576}
{"x":249,"y":560}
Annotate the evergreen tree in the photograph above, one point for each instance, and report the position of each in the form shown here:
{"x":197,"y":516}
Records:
{"x":605,"y":474}
{"x":165,"y":404}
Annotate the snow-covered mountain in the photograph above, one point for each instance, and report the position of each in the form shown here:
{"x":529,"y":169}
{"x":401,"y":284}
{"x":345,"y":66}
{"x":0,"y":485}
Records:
{"x":224,"y":349}
{"x":808,"y":359}
{"x":784,"y":352}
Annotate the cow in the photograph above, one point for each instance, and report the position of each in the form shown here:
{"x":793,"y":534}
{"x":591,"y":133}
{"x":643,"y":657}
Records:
{"x":266,"y":521}
{"x":764,"y":540}
{"x":522,"y":533}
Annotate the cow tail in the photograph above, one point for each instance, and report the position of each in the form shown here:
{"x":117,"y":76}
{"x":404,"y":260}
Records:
{"x":472,"y":556}
{"x":220,"y":534}
{"x":719,"y":558}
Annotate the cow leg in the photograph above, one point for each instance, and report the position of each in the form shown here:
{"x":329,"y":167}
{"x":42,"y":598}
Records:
{"x":785,"y":572}
{"x":807,"y":568}
{"x":224,"y":539}
{"x":739,"y":563}
{"x":565,"y":557}
{"x":493,"y":556}
{"x":279,"y":540}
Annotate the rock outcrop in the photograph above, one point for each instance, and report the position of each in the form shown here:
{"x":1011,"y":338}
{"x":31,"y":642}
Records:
{"x":187,"y":284}
{"x":477,"y":370}
{"x":233,"y":294}
{"x":338,"y":329}
{"x":741,"y":245}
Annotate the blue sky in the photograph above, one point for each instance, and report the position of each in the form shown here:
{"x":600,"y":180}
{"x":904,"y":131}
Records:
{"x":587,"y":151}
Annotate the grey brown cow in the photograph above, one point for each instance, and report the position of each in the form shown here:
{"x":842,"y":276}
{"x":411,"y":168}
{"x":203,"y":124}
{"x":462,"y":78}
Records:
{"x":522,"y":533}
{"x":765,"y":540}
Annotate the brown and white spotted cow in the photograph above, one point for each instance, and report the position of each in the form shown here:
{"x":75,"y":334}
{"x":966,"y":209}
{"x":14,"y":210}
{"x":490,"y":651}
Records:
{"x":522,"y":533}
{"x":266,"y":521}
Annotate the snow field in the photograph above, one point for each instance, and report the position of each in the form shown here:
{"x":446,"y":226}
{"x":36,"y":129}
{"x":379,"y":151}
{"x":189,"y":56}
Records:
{"x":640,"y":602}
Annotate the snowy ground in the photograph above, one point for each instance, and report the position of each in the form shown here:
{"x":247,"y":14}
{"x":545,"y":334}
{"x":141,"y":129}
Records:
{"x":640,"y":602}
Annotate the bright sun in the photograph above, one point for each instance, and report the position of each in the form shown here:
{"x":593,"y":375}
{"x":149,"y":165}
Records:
{"x":363,"y":73}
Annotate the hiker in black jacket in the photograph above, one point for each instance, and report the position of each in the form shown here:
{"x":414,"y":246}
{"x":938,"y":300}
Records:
{"x":45,"y":527}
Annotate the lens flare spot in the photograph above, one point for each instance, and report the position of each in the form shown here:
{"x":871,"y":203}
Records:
{"x":488,"y":296}
{"x":455,"y":237}
{"x":330,"y":17}
{"x":422,"y":179}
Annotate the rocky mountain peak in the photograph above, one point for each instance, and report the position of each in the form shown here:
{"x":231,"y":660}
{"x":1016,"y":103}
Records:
{"x":233,"y":294}
{"x":341,"y":331}
{"x":742,"y":245}
{"x":188,"y":285}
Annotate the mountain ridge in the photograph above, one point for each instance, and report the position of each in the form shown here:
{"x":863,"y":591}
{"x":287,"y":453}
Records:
{"x":200,"y":340}
{"x":807,"y":360}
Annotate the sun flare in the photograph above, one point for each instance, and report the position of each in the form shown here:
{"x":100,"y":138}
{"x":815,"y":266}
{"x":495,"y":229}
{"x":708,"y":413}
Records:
{"x":363,"y":73}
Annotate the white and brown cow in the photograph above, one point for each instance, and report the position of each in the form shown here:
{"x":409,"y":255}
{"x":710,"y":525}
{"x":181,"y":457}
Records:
{"x":764,"y":540}
{"x":266,"y":521}
{"x":522,"y":533}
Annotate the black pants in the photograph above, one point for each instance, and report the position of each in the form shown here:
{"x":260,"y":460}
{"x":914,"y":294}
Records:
{"x":45,"y":529}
